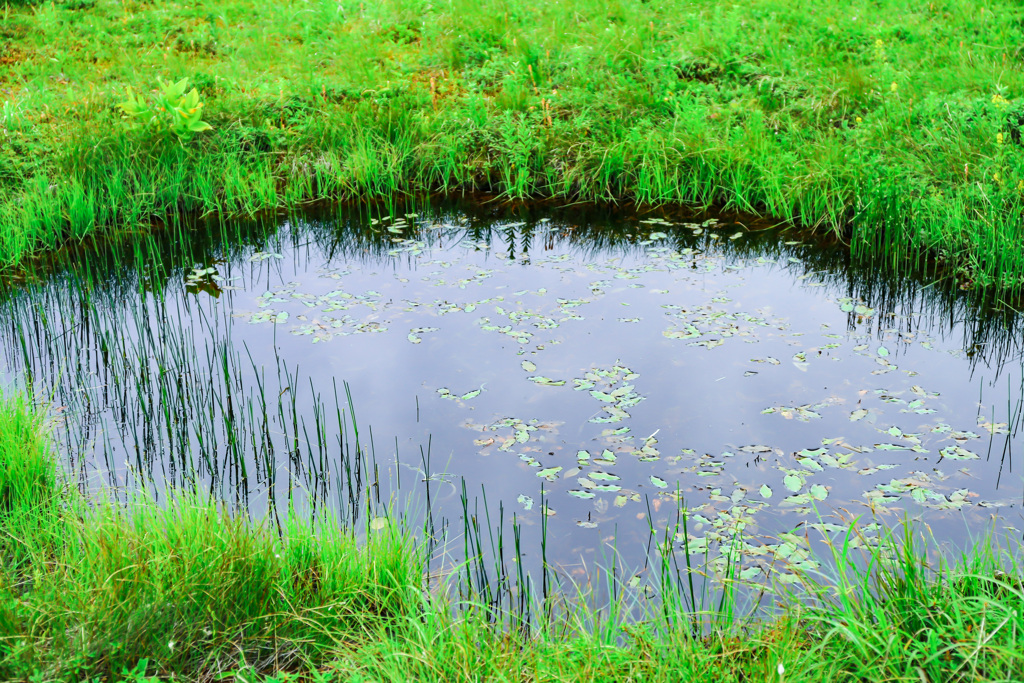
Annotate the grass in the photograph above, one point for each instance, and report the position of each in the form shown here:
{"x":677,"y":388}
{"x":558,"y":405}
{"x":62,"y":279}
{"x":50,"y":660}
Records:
{"x":92,"y":587}
{"x":897,"y":126}
{"x":92,"y":590}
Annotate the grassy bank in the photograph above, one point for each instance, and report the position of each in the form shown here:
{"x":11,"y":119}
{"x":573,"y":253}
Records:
{"x":90,"y":590}
{"x":897,"y":125}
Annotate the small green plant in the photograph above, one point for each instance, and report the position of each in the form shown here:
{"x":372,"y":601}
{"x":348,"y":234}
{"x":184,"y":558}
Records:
{"x":11,"y":118}
{"x":175,"y":110}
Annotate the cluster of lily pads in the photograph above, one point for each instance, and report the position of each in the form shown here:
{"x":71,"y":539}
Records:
{"x":724,"y":509}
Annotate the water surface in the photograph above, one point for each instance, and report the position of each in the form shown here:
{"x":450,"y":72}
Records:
{"x":579,"y":372}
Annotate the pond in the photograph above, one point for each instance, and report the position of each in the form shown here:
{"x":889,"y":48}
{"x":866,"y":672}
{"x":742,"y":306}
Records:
{"x":550,"y":385}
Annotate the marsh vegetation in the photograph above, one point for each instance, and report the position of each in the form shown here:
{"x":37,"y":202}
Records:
{"x":590,"y":429}
{"x":564,"y":430}
{"x":897,"y":128}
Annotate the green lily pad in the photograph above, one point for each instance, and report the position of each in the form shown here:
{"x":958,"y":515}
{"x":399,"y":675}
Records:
{"x":818,"y":492}
{"x":749,"y":573}
{"x":958,"y":453}
{"x":810,"y":464}
{"x":547,"y":381}
{"x":550,"y":473}
{"x":793,"y":482}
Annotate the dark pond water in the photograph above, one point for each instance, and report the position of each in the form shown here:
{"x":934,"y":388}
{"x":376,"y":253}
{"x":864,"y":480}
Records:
{"x":490,"y":369}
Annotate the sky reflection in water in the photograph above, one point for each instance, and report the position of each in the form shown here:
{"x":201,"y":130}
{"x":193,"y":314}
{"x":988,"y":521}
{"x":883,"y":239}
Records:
{"x":602,"y":374}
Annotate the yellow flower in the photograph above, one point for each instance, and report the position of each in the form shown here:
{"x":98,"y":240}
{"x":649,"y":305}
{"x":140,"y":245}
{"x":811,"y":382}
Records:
{"x":894,"y":87}
{"x":859,"y":119}
{"x":999,"y":138}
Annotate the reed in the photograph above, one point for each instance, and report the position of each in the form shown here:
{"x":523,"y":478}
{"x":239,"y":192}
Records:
{"x":92,"y":587}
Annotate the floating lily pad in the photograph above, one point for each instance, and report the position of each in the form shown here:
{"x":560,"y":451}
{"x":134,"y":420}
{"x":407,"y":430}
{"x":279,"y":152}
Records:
{"x":547,"y":381}
{"x":958,"y":453}
{"x":550,"y":473}
{"x":793,"y":482}
{"x":818,"y":492}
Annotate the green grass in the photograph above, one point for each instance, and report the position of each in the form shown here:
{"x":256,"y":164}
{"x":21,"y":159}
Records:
{"x":89,"y":588}
{"x":184,"y":591}
{"x":897,"y":125}
{"x":28,"y":483}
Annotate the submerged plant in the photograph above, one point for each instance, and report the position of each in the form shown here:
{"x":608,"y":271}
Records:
{"x":174,"y":110}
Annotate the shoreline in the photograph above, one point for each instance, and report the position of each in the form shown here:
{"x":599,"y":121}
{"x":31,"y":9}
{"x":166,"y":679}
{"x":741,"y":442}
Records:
{"x":898,"y":137}
{"x":96,"y":590}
